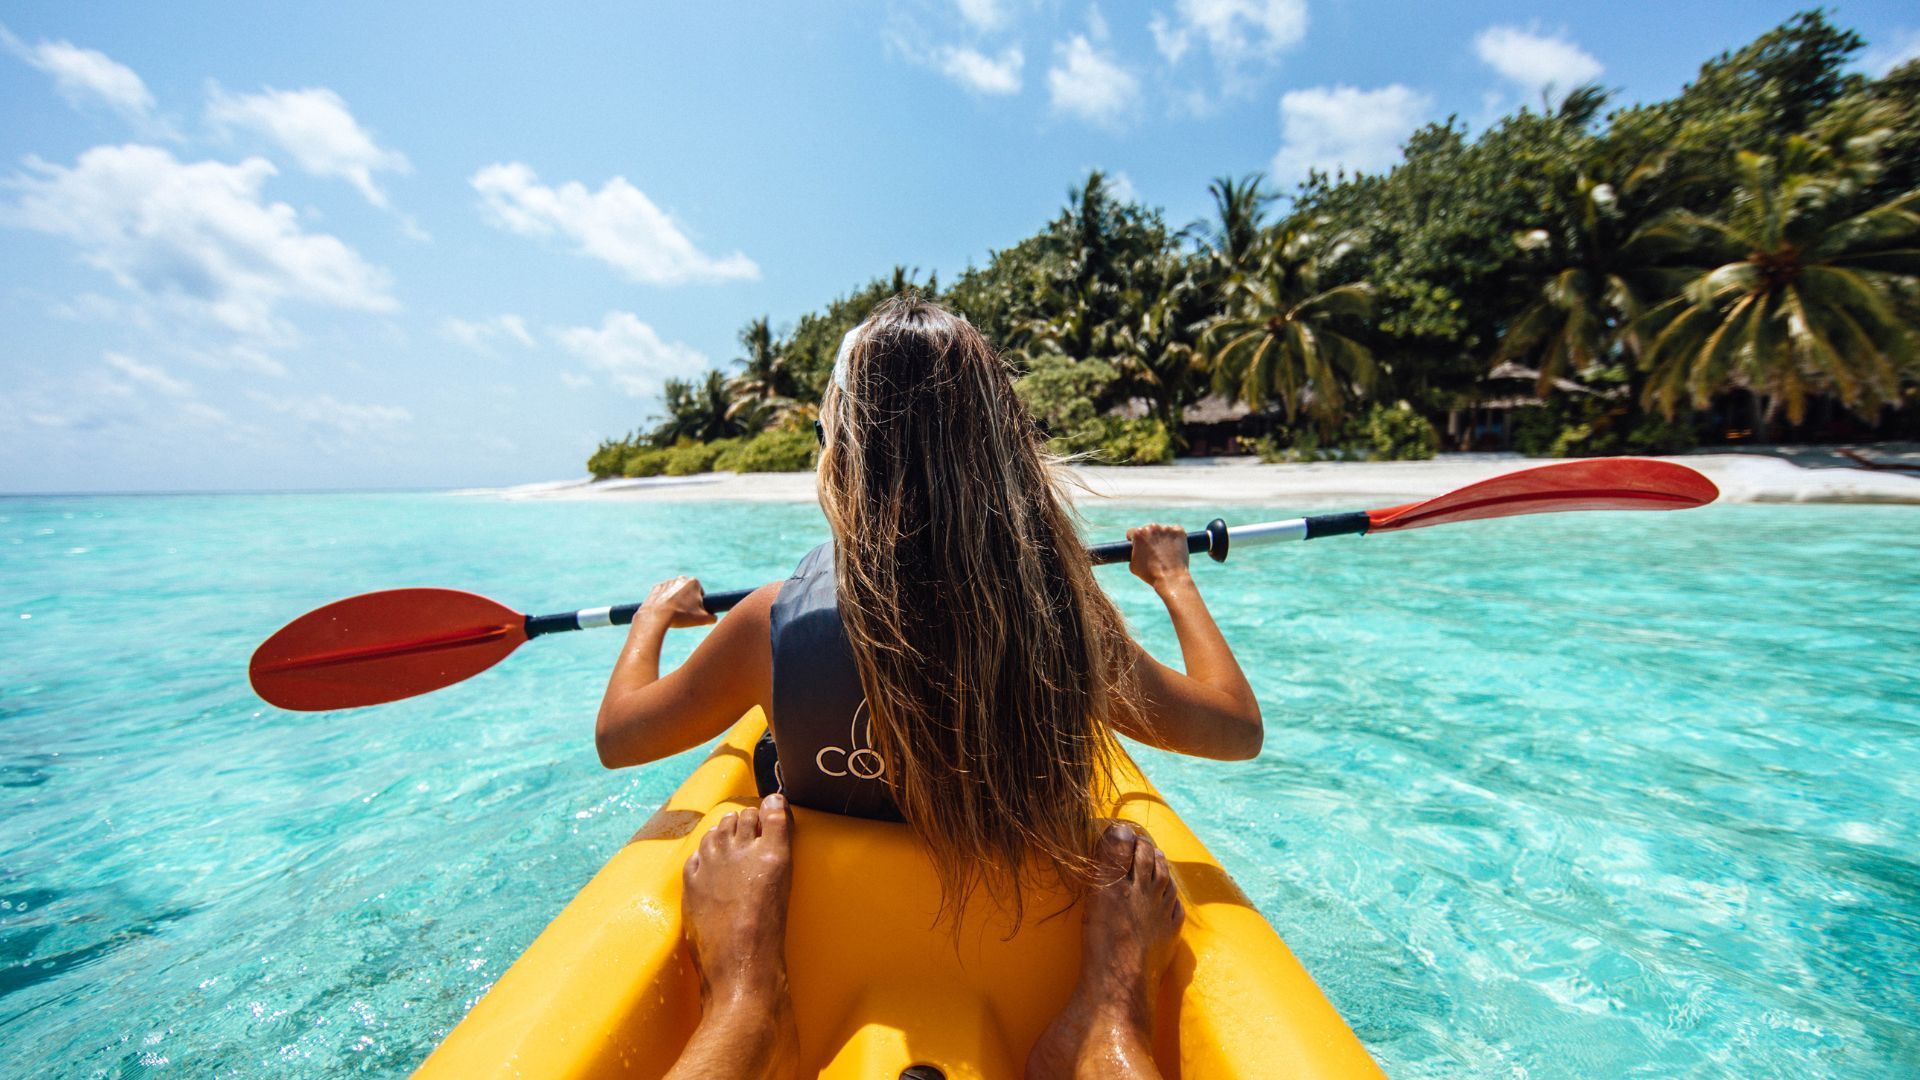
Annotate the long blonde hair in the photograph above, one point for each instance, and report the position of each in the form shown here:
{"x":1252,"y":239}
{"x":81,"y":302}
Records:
{"x":993,"y":663}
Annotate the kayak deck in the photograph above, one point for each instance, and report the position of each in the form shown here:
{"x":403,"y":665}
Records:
{"x":608,"y":989}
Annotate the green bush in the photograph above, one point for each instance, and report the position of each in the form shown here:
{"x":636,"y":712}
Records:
{"x":608,"y":458}
{"x":772,"y":451}
{"x":691,"y":458}
{"x":1305,"y":444}
{"x":644,"y":461}
{"x":1590,"y":427}
{"x":1657,"y":435}
{"x":1109,"y":440}
{"x":1137,"y":442}
{"x":1059,"y":393}
{"x":1398,"y":433}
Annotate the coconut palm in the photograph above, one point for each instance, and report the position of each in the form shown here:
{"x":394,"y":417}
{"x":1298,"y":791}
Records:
{"x":1284,"y":336}
{"x":1595,"y":268}
{"x":1797,"y":293}
{"x":1232,"y":239}
{"x":765,"y":391}
{"x":697,"y":410}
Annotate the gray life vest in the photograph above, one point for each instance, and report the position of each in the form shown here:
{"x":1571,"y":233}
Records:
{"x":820,"y":736}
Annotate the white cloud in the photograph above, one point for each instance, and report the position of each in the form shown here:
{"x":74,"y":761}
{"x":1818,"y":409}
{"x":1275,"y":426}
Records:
{"x":1172,"y":42}
{"x":1538,"y":64}
{"x":1333,"y":127}
{"x":618,"y":225}
{"x":1234,"y":30}
{"x":1899,"y":47}
{"x":631,"y":354}
{"x":195,"y":237}
{"x":982,"y":14}
{"x":328,"y":414}
{"x":86,"y":76}
{"x":1090,"y":85}
{"x":478,"y":334}
{"x":127,"y":393}
{"x":315,"y":128}
{"x":979,"y":72}
{"x":152,"y":376}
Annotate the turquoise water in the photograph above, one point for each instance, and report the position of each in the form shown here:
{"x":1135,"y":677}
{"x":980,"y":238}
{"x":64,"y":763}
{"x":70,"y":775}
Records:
{"x":1585,"y":795}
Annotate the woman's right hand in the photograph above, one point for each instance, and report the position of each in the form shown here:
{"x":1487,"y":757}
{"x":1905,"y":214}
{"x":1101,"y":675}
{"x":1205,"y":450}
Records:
{"x":675,"y":602}
{"x":1159,"y":553}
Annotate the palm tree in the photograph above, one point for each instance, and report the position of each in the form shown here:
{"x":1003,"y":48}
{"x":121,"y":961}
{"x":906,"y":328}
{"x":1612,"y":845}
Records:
{"x":697,"y":410}
{"x":1233,"y":238}
{"x":1109,"y":287}
{"x":1795,"y":294}
{"x":1597,"y":267}
{"x":765,"y":391}
{"x":1284,"y":336}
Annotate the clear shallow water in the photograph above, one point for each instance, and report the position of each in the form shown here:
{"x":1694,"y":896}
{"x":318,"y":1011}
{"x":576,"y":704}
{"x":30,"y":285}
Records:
{"x":1586,"y":795}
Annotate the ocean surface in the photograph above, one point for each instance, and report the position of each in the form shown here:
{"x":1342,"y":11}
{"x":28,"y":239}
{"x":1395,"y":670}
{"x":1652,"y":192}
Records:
{"x":1582,"y":795}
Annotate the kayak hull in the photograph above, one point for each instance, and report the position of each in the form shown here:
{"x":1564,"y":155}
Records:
{"x":608,"y":989}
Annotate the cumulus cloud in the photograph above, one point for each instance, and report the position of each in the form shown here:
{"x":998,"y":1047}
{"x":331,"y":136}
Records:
{"x":122,"y":393}
{"x":1335,"y":127}
{"x":1234,"y":30}
{"x":631,"y":354}
{"x":151,"y":376}
{"x":325,"y":414}
{"x":982,"y":14}
{"x":196,"y":237}
{"x":618,"y":225}
{"x":1086,"y":83}
{"x":481,"y":333}
{"x":1538,"y":64}
{"x":86,"y":77}
{"x":979,"y":72}
{"x":316,"y":129}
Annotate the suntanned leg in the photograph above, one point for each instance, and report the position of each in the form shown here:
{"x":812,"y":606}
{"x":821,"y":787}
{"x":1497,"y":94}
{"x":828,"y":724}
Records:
{"x":735,"y":907}
{"x":1106,"y":1030}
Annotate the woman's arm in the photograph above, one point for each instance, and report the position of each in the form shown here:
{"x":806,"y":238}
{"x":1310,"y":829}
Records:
{"x":1210,"y":711}
{"x":645,"y":717}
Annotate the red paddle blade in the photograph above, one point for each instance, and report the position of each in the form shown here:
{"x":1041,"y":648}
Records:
{"x":383,"y":646}
{"x":1599,"y":484}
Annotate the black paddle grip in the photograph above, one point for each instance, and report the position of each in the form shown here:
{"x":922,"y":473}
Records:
{"x":1347,"y":524}
{"x":1212,"y":540}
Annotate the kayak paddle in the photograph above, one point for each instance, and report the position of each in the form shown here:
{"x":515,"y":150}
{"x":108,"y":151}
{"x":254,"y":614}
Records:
{"x":397,"y":643}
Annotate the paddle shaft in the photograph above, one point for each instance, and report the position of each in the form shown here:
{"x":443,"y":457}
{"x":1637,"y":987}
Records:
{"x":1212,"y":540}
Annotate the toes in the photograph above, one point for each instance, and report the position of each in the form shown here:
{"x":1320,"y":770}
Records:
{"x":693,"y":865}
{"x":749,"y":823}
{"x":1143,"y":853}
{"x":728,"y":826}
{"x":1162,"y":873}
{"x":775,"y":822}
{"x":1116,"y":848}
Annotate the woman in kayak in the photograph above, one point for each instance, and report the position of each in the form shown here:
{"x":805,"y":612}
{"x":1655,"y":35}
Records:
{"x":949,"y":661}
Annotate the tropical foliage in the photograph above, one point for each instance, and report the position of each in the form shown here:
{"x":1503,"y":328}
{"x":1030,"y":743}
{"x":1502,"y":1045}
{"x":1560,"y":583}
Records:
{"x":1741,"y":258}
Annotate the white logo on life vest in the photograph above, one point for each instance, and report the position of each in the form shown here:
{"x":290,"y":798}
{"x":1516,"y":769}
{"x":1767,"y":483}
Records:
{"x":857,"y":759}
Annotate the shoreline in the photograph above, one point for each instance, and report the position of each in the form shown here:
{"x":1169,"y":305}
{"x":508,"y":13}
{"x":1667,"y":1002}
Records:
{"x":1762,"y":475}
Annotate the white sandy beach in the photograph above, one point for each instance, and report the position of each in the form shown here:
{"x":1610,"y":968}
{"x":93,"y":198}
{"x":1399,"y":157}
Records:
{"x":1787,"y":475}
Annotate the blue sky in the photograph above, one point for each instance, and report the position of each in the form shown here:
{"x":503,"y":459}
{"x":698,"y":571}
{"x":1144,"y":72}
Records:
{"x":412,"y":245}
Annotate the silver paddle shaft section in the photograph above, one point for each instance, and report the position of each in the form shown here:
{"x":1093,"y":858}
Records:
{"x":1212,"y":540}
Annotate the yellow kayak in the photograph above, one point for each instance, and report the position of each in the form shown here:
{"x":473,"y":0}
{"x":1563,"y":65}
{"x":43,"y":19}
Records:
{"x":608,"y":990}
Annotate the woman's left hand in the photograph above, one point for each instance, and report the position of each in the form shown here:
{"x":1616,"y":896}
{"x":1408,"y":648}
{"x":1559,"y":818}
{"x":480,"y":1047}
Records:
{"x":675,"y":602}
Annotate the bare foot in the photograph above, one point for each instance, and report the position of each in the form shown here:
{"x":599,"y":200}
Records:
{"x":1106,"y":1030}
{"x":735,"y":909}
